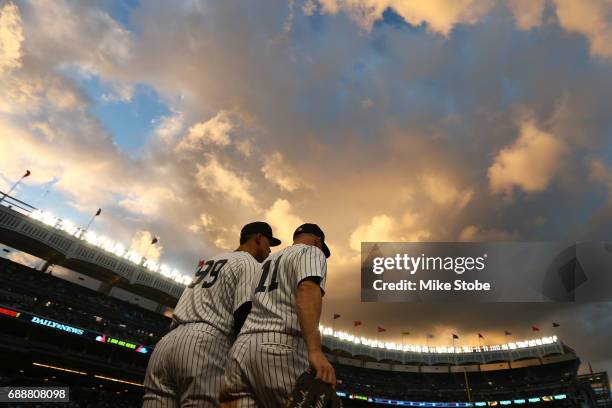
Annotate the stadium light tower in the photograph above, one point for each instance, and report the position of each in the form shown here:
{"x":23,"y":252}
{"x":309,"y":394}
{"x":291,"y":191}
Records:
{"x":27,"y":173}
{"x":153,"y":242}
{"x":90,"y":221}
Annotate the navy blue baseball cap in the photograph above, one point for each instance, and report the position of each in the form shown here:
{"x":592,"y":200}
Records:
{"x":260,"y":227}
{"x":315,"y":230}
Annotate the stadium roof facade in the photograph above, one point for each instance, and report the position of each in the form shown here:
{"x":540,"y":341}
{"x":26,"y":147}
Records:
{"x":388,"y":354}
{"x":60,"y":242}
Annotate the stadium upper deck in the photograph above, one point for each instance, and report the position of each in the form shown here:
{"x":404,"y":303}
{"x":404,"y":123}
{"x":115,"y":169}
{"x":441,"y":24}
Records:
{"x":61,"y":242}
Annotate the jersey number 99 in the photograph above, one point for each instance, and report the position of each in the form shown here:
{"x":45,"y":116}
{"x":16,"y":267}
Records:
{"x":211,"y":268}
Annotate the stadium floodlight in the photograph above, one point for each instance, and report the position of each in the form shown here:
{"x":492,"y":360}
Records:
{"x":187,"y":280}
{"x":49,"y":219}
{"x":344,"y":336}
{"x":119,"y":250}
{"x":106,"y":244}
{"x":560,"y":396}
{"x":133,"y":257}
{"x":91,"y":237}
{"x":165,"y":270}
{"x":69,"y":227}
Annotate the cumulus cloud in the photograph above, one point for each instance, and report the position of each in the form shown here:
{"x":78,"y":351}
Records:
{"x":527,"y":13}
{"x":440,"y":15}
{"x":214,"y":131}
{"x":530,"y":163}
{"x":11,"y":37}
{"x":214,"y":178}
{"x":283,"y":220}
{"x":441,"y":191}
{"x":591,"y":18}
{"x":141,"y":244}
{"x":384,"y":228}
{"x":276,"y":170}
{"x":168,"y":128}
{"x":600,"y":173}
{"x":472,"y":233}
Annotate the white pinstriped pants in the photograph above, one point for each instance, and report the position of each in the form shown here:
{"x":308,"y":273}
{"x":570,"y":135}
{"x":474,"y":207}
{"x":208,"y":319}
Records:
{"x":262,"y":369}
{"x":186,"y":368}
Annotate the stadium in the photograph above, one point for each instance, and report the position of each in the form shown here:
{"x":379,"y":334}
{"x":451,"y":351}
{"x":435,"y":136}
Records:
{"x":57,"y":332}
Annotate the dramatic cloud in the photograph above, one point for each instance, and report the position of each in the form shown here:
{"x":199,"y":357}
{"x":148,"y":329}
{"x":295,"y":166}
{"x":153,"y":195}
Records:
{"x":528,"y":13}
{"x":277,"y":171}
{"x":11,"y":37}
{"x":592,"y":18}
{"x":283,"y":220}
{"x":377,"y":119}
{"x":142,"y":244}
{"x":440,"y":15}
{"x":529,"y":163}
{"x":600,"y":173}
{"x":212,"y":132}
{"x":471,"y":233}
{"x":213,"y":178}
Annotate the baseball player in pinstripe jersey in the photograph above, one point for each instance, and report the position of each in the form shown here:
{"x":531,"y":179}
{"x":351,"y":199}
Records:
{"x":280,"y":337}
{"x":186,"y":367}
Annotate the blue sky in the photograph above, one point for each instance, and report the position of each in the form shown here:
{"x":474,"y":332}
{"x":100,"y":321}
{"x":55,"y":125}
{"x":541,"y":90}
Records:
{"x":130,"y":123}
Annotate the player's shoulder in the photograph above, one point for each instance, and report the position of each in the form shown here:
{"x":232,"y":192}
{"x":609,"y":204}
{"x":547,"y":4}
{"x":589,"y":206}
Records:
{"x":233,"y":258}
{"x":303,"y":249}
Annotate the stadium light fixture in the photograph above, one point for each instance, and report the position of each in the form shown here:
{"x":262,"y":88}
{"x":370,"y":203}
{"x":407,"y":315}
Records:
{"x":344,"y":336}
{"x":106,"y":244}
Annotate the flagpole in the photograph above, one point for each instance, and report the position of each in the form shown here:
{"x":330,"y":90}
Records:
{"x":334,"y":317}
{"x":27,"y":173}
{"x":83,"y":231}
{"x":153,"y":241}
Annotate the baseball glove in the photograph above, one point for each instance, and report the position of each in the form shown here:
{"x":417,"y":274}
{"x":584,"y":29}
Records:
{"x":311,"y":392}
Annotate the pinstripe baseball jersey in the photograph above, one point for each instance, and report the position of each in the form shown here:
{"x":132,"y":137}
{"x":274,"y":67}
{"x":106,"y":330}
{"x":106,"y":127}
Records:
{"x":220,"y":287}
{"x":273,"y":308}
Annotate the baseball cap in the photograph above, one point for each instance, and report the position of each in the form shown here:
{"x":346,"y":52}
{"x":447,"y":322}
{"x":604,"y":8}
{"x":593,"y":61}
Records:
{"x":260,"y":227}
{"x":315,"y":230}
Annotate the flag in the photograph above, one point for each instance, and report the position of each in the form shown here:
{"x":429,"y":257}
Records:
{"x":455,"y":337}
{"x":381,"y":329}
{"x":507,"y":333}
{"x":535,"y":328}
{"x":336,"y":316}
{"x":27,"y":173}
{"x":556,"y":324}
{"x":590,"y":368}
{"x":357,"y":323}
{"x":154,"y":241}
{"x":480,"y":336}
{"x":430,"y":336}
{"x":405,"y":333}
{"x":200,"y":263}
{"x":98,"y":212}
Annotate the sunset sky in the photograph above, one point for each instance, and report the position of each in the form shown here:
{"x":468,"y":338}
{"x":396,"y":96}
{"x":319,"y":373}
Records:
{"x":380,"y":120}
